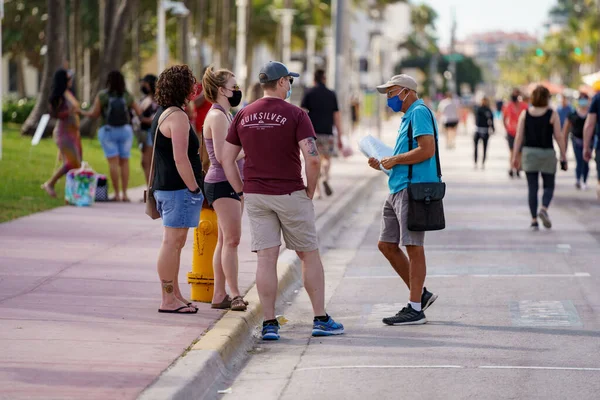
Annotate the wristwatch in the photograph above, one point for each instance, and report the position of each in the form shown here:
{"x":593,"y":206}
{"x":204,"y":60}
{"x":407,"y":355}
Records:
{"x":195,"y":191}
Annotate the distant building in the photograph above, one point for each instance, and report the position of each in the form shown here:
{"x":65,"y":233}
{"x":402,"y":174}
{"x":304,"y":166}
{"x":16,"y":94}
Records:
{"x":490,"y":47}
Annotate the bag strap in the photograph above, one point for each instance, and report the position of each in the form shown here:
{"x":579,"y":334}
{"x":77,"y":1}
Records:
{"x":151,"y":175}
{"x":437,"y":149}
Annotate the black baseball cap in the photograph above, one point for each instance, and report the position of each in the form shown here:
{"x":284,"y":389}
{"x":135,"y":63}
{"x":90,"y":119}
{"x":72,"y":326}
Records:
{"x":274,"y":70}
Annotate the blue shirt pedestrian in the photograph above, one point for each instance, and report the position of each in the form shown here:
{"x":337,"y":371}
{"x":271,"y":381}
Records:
{"x":563,"y":113}
{"x":422,"y":124}
{"x":595,"y":109}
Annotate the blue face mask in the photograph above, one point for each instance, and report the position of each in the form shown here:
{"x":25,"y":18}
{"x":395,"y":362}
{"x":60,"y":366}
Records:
{"x":395,"y":103}
{"x":289,"y":92}
{"x":583,"y":102}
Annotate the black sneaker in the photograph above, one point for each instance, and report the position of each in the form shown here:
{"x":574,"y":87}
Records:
{"x":427,"y":299}
{"x":511,"y":173}
{"x":534,"y":226}
{"x":407,"y":316}
{"x":327,"y":188}
{"x":543,"y":215}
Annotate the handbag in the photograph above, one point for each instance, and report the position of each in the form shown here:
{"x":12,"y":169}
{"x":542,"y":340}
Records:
{"x":425,"y":206}
{"x":149,"y":199}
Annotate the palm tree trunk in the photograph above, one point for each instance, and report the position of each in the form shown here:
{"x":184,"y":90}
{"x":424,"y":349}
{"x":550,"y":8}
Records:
{"x":225,"y":36}
{"x":55,"y":38}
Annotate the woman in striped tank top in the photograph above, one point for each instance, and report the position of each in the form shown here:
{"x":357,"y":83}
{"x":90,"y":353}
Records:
{"x":221,"y":89}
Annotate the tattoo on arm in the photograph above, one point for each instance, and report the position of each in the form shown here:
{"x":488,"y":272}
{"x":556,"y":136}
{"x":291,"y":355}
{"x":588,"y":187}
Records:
{"x":311,"y":147}
{"x":167,"y":286}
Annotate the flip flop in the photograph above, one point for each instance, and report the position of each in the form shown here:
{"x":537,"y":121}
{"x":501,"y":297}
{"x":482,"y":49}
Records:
{"x":190,"y":304}
{"x":178,"y":311}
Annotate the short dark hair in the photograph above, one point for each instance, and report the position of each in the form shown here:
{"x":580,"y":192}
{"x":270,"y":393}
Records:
{"x":115,"y":82}
{"x":175,"y":84}
{"x":270,"y":85}
{"x":540,"y":96}
{"x":320,"y":76}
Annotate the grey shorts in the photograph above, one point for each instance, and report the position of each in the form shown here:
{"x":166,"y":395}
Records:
{"x":291,"y":214}
{"x":394,"y":226}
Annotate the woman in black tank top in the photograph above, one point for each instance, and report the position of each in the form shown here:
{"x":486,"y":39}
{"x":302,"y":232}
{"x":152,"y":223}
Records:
{"x":534,"y":152}
{"x":176,"y":180}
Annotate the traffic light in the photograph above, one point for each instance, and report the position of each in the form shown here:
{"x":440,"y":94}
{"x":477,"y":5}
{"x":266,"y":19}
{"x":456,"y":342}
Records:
{"x":577,"y":51}
{"x":539,"y":52}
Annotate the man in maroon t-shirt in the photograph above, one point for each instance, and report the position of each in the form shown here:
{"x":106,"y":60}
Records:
{"x":272,"y":132}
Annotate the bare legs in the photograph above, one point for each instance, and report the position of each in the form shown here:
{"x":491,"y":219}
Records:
{"x":168,"y":268}
{"x":412,"y":270}
{"x":225,"y":259}
{"x":146,"y":161}
{"x":119,"y":174}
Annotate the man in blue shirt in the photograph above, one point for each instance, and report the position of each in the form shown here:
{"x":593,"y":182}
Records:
{"x":564,"y":110}
{"x":402,"y":96}
{"x":591,"y":129}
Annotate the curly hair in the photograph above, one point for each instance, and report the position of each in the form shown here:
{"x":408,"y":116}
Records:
{"x":174,"y":86}
{"x":213,"y":80}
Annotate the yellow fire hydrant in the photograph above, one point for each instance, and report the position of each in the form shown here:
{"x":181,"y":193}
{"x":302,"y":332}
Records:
{"x":205,"y":241}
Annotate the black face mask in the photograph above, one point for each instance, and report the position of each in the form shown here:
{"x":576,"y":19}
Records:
{"x":145,"y":89}
{"x":236,"y":98}
{"x":514,"y":98}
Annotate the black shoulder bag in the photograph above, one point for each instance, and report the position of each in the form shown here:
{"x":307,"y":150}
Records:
{"x":425,"y":207}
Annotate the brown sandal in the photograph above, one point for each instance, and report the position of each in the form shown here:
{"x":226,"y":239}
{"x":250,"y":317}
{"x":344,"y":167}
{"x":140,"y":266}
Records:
{"x":225,"y":304}
{"x":238,"y":304}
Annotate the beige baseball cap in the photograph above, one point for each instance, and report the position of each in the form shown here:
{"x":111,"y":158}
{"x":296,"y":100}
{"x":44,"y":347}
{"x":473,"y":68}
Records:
{"x":399,"y":80}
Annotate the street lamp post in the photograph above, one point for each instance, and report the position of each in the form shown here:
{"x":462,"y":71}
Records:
{"x":178,"y":9}
{"x":311,"y":37}
{"x":286,"y":16}
{"x":241,"y":69}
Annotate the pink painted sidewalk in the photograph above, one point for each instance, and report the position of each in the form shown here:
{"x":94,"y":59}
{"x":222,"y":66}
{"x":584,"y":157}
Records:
{"x":79,"y":298}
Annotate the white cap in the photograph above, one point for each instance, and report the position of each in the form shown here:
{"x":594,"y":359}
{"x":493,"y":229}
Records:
{"x":402,"y":80}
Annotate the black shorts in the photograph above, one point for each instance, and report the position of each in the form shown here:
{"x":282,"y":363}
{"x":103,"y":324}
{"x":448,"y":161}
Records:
{"x":511,"y":142}
{"x":451,"y":124}
{"x":219,"y":190}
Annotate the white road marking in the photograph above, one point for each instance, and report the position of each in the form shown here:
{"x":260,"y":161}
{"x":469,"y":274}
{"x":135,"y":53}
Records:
{"x":575,"y":275}
{"x":378,"y":367}
{"x":539,"y":368}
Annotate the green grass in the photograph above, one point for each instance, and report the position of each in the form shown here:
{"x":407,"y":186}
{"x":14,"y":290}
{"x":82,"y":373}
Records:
{"x":24,"y":168}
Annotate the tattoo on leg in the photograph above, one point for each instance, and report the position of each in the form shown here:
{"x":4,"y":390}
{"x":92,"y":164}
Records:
{"x":167,"y":286}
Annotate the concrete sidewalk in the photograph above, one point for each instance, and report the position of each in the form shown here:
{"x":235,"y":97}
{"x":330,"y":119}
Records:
{"x":79,"y":297}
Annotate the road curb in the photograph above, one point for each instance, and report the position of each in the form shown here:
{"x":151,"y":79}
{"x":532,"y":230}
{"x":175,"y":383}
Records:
{"x":225,"y":345}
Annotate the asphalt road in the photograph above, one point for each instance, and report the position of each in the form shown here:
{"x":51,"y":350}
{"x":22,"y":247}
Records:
{"x":518,"y":314}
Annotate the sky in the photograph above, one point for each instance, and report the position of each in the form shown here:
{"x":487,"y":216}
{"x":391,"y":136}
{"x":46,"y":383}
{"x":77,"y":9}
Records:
{"x":474,"y":16}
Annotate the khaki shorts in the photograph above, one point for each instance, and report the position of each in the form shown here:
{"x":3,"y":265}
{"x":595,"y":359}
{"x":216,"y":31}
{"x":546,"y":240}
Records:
{"x":326,"y":144}
{"x":293,"y":214}
{"x":394,"y":225}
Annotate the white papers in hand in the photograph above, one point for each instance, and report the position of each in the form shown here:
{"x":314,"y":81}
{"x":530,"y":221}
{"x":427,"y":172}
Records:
{"x":373,"y":147}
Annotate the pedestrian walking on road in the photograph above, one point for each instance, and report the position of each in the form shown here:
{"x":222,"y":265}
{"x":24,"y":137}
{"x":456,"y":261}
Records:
{"x":272,"y":132}
{"x":178,"y":180}
{"x":484,"y":122}
{"x":591,"y":137}
{"x":113,"y":104}
{"x":449,"y":109}
{"x":323,"y":111}
{"x":65,"y":108}
{"x":564,"y":110}
{"x":148,"y":106}
{"x":536,"y":128}
{"x":574,"y":125}
{"x":401,"y":91}
{"x":510,"y":114}
{"x":221,"y":89}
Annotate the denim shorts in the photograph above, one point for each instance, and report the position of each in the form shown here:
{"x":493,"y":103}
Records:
{"x":116,"y":140}
{"x":179,"y":208}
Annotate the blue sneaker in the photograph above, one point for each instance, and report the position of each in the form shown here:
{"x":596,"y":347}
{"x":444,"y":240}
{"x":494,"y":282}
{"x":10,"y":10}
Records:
{"x":328,"y":328}
{"x":270,"y":331}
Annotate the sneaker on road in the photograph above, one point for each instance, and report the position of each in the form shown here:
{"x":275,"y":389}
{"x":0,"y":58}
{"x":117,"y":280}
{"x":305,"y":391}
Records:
{"x":534,"y":227}
{"x":427,"y":299}
{"x":543,"y":215}
{"x":328,"y":190}
{"x":407,"y":316}
{"x":328,"y":328}
{"x":270,"y":331}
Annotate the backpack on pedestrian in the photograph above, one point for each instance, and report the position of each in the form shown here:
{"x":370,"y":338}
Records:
{"x":117,"y":112}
